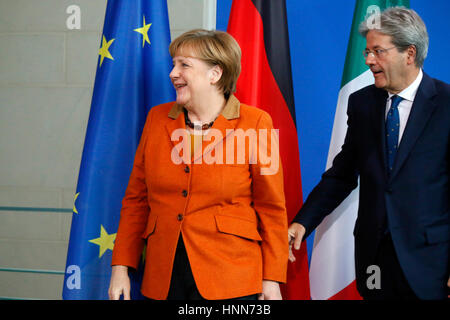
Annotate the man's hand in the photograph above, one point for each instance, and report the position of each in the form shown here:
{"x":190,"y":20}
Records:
{"x":448,"y":285}
{"x":270,"y":291}
{"x":296,"y":232}
{"x":119,"y":284}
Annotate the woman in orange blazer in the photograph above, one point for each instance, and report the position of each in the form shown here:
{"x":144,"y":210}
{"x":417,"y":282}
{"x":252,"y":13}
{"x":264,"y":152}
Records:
{"x":206,"y":191}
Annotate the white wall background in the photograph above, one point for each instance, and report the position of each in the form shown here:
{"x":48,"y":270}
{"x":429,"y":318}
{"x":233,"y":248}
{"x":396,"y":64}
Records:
{"x":46,"y":80}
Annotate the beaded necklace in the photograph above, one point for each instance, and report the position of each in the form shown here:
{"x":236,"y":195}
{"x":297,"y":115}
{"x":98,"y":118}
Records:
{"x":189,"y":123}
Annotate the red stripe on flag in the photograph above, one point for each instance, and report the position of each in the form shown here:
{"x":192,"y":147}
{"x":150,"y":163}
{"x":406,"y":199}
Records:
{"x":348,"y":293}
{"x":257,"y":86}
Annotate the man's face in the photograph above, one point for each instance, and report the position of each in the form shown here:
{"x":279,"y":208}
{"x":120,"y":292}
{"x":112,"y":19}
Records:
{"x":389,"y":68}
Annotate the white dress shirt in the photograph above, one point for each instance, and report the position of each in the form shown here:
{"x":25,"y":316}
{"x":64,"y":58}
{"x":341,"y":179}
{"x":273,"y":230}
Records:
{"x":404,"y":108}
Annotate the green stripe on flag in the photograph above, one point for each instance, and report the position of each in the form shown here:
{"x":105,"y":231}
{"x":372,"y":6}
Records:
{"x":354,"y":61}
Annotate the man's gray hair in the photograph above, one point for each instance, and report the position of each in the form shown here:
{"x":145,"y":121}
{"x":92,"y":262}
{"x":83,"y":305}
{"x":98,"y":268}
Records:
{"x":405,"y":27}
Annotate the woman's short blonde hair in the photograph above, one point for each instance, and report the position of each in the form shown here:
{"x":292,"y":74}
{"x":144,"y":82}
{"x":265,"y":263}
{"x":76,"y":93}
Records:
{"x":215,"y":48}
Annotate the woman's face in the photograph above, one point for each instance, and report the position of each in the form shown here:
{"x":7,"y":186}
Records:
{"x":192,"y":78}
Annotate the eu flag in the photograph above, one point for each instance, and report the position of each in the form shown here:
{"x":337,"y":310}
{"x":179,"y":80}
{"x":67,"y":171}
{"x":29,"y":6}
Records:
{"x":132,"y":76}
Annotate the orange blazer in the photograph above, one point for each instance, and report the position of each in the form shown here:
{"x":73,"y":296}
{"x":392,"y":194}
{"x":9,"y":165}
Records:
{"x":231,"y":216}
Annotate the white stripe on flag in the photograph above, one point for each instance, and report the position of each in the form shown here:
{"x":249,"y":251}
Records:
{"x":340,"y":118}
{"x":332,"y":261}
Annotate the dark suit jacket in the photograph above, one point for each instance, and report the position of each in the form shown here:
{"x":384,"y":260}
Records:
{"x":414,"y":199}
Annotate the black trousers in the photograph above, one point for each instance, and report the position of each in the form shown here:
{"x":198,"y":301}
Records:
{"x":182,"y":284}
{"x":394,"y":285}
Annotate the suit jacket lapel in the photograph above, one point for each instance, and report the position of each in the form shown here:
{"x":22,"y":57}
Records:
{"x":177,"y":128}
{"x":221,"y":128}
{"x":378,"y":123}
{"x":421,"y":111}
{"x":216,"y":134}
{"x":215,"y":137}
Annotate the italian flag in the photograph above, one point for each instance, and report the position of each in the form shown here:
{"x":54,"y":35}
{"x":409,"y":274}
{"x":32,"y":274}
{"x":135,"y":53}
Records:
{"x":332,"y":269}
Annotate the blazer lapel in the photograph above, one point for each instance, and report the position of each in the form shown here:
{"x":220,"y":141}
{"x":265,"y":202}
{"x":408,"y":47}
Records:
{"x":178,"y":135}
{"x":421,"y":111}
{"x":213,"y":140}
{"x":223,"y":126}
{"x":378,"y":122}
{"x":217,"y":133}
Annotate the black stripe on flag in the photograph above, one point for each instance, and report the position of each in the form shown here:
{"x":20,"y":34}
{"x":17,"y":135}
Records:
{"x":276,"y":42}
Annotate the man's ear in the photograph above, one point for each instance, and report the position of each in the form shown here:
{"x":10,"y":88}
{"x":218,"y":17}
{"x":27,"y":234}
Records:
{"x":411,"y":54}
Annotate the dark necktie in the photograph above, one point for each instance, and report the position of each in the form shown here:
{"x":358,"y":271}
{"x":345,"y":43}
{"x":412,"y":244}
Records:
{"x":392,"y":131}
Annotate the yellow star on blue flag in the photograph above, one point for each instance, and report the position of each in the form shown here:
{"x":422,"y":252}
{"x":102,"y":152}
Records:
{"x":104,"y":50}
{"x":144,"y":31}
{"x":74,"y":203}
{"x":105,"y":241}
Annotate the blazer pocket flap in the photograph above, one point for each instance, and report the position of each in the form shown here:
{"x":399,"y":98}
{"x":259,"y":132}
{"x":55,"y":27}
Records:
{"x":436,"y":234}
{"x":151,"y":225}
{"x":238,"y":227}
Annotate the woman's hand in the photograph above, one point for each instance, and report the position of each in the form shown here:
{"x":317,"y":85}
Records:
{"x":270,"y":291}
{"x":119,"y":284}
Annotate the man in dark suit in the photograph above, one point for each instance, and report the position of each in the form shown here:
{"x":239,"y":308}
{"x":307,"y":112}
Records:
{"x":398,"y":145}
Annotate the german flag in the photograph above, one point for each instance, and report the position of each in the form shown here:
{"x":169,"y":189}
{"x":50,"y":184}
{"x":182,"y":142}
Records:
{"x":260,"y":28}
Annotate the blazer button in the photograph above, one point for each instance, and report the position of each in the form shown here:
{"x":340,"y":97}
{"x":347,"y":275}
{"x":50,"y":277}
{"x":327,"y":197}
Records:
{"x":184,"y":193}
{"x":186,"y":169}
{"x":180,"y":217}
